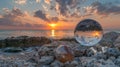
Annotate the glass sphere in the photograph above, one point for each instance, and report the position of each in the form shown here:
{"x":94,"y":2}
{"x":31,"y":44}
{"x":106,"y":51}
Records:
{"x":64,"y":53}
{"x":88,"y":32}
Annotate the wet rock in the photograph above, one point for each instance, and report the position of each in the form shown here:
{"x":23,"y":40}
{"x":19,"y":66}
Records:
{"x":45,"y":60}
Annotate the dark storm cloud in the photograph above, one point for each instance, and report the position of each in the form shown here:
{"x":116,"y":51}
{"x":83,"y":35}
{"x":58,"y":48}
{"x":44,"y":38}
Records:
{"x":105,"y":9}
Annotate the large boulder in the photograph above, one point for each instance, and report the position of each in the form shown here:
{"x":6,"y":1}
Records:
{"x":109,"y":38}
{"x":117,"y":43}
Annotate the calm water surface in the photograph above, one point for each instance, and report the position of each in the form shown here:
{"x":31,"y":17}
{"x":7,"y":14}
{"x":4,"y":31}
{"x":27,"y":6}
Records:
{"x":38,"y":33}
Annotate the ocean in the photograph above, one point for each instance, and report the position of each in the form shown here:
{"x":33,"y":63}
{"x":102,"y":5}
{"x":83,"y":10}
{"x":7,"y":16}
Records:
{"x":38,"y":33}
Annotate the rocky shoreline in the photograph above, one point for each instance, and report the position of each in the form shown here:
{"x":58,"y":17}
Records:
{"x":27,"y":51}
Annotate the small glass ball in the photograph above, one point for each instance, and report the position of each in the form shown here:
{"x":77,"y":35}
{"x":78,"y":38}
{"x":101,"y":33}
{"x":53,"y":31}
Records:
{"x":64,"y":53}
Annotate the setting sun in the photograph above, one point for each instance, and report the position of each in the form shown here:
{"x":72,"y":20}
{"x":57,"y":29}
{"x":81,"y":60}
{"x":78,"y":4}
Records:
{"x":53,"y":25}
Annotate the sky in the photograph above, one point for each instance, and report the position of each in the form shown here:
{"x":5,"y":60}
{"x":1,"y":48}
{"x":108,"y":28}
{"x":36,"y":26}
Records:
{"x":66,"y":14}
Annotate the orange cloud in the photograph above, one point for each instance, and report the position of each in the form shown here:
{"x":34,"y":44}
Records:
{"x":17,"y":18}
{"x":20,"y":1}
{"x":47,"y":1}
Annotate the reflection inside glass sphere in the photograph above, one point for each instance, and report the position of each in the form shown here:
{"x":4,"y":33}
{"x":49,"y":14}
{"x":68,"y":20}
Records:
{"x":64,"y":53}
{"x":88,"y":32}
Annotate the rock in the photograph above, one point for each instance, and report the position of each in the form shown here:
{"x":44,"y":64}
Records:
{"x":105,"y":54}
{"x":67,"y":39}
{"x":98,"y":47}
{"x":112,"y":58}
{"x":2,"y":44}
{"x":32,"y":60}
{"x":109,"y":38}
{"x":45,"y":60}
{"x":117,"y":61}
{"x":72,"y":64}
{"x":16,"y":63}
{"x":25,"y":41}
{"x":112,"y":52}
{"x":12,"y":50}
{"x":86,"y":60}
{"x":90,"y":52}
{"x":46,"y":51}
{"x":80,"y":51}
{"x":117,"y":43}
{"x":100,"y":56}
{"x":108,"y":63}
{"x":92,"y":62}
{"x":43,"y":66}
{"x":56,"y":64}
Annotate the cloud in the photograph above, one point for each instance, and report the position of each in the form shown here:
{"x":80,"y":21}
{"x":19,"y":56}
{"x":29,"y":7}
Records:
{"x":6,"y":10}
{"x":10,"y":17}
{"x":62,"y":7}
{"x":18,"y":18}
{"x":67,"y":8}
{"x":102,"y":9}
{"x":47,"y":1}
{"x":55,"y":19}
{"x":38,"y":1}
{"x":20,"y":1}
{"x":1,"y":16}
{"x":41,"y":15}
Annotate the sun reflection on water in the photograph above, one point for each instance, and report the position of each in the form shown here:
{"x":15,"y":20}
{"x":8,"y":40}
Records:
{"x":53,"y":33}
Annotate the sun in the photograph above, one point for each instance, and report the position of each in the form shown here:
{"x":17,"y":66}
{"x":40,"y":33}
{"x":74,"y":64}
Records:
{"x":53,"y":25}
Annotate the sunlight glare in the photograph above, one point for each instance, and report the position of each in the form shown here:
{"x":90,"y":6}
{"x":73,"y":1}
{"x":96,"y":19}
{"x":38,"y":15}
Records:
{"x":52,"y":25}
